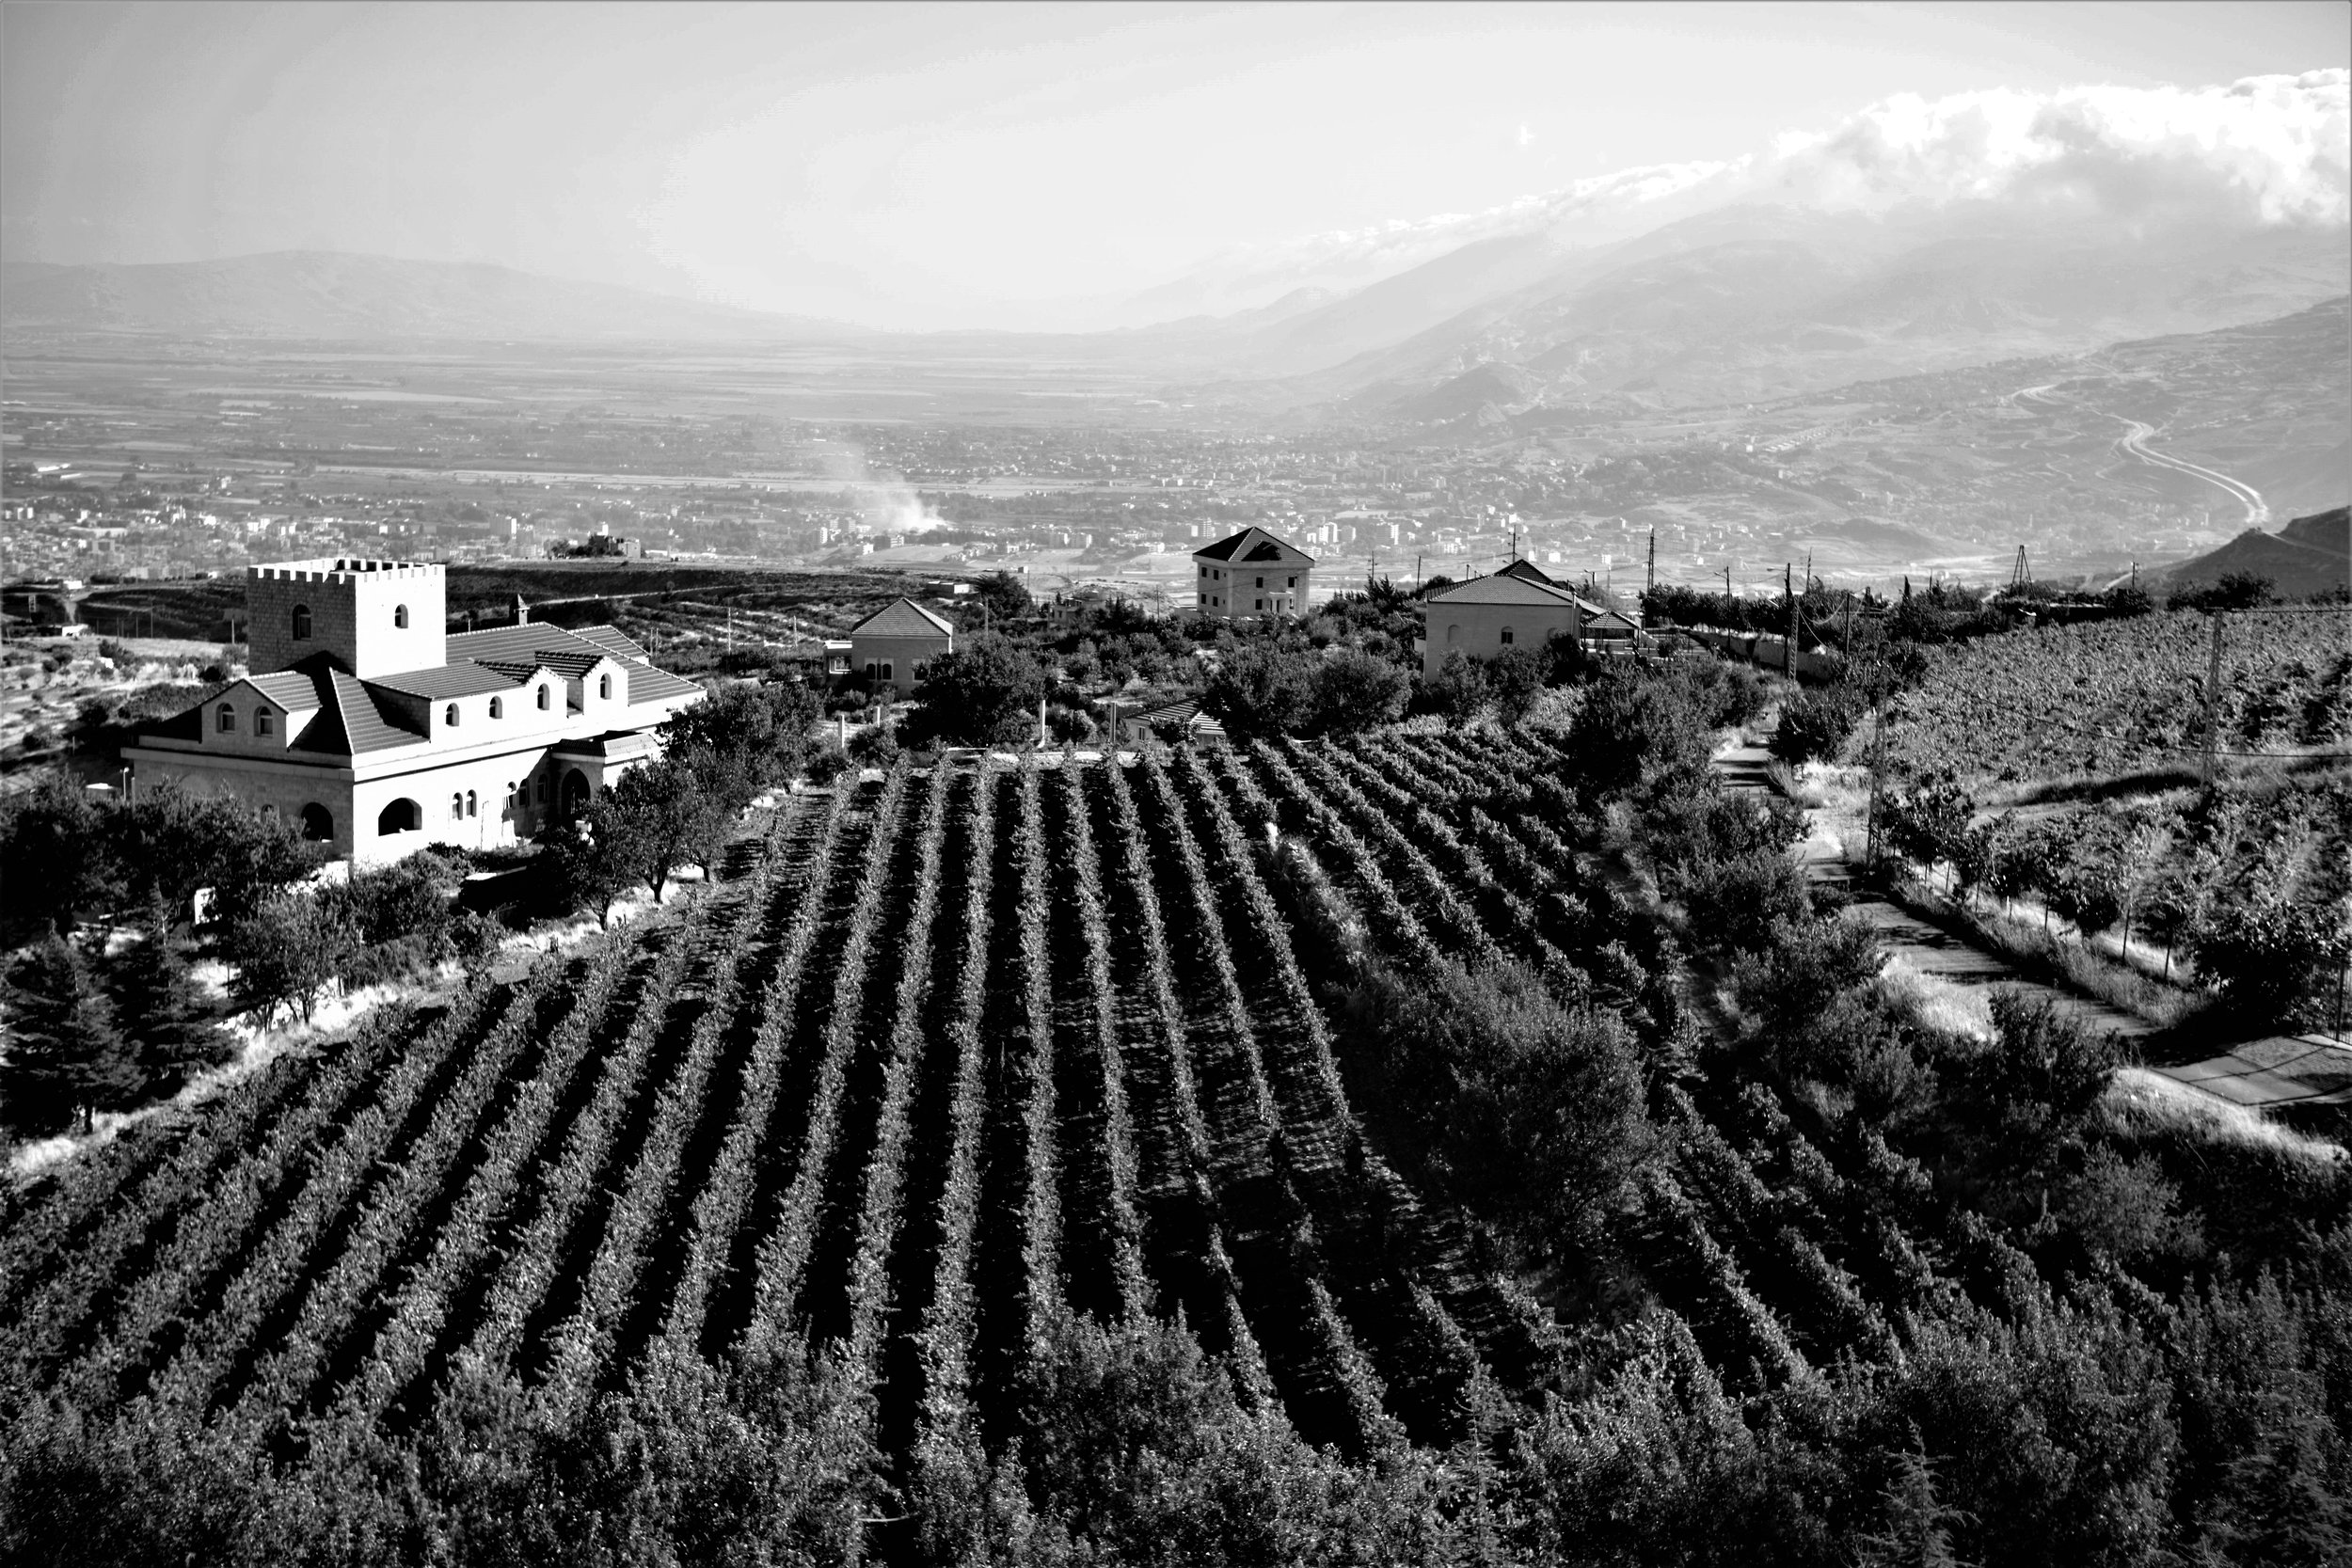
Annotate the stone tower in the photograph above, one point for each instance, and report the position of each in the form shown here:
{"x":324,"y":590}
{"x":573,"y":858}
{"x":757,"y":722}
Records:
{"x":371,"y":617}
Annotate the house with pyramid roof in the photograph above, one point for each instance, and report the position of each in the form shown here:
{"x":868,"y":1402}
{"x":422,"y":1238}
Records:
{"x":1250,"y":572}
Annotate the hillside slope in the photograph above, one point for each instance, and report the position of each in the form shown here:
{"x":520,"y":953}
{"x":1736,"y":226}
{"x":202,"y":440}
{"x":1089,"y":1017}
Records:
{"x":2311,"y":555}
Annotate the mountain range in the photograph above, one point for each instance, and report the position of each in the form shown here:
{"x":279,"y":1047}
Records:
{"x":1742,"y":303}
{"x":339,"y":296}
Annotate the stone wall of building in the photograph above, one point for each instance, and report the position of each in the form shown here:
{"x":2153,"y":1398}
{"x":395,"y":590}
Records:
{"x":356,"y":609}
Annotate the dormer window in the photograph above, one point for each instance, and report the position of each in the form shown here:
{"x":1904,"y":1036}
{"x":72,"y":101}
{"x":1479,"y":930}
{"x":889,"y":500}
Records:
{"x":543,"y":696}
{"x":226,"y":722}
{"x":604,"y":688}
{"x":498,"y":707}
{"x":302,"y":622}
{"x":449,"y":716}
{"x":263,"y":723}
{"x":400,"y":617}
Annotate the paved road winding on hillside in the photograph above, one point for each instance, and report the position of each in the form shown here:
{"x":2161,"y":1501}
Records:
{"x":2134,"y":443}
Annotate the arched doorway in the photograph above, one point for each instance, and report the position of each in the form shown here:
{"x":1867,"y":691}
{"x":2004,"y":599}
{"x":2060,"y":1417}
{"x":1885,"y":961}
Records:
{"x":401,"y":816}
{"x":318,"y":823}
{"x":576,"y":794}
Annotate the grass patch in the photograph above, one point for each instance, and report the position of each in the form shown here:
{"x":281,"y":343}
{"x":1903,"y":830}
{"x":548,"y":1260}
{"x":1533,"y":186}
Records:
{"x":2185,"y":1019}
{"x":2146,"y":1105}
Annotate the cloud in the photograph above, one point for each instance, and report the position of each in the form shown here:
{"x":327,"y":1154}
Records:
{"x":2268,"y":149}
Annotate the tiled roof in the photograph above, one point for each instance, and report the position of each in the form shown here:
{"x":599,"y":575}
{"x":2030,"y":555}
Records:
{"x":289,"y":689}
{"x":612,"y":641}
{"x":448,"y":680}
{"x":649,"y":685}
{"x":903,"y":618}
{"x":571,"y":664}
{"x":515,"y":642}
{"x":1266,"y":548}
{"x":1528,"y":569}
{"x":520,"y":670}
{"x":1501,"y":589}
{"x":353,"y":724}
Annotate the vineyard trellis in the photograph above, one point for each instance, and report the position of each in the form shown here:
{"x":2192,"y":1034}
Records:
{"x":946,"y":1062}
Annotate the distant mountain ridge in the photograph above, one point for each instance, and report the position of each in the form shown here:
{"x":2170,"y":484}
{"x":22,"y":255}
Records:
{"x":2311,"y":555}
{"x":334,"y":295}
{"x":1759,"y":302}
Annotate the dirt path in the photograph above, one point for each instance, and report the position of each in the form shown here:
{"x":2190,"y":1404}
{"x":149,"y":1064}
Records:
{"x":1926,"y":948}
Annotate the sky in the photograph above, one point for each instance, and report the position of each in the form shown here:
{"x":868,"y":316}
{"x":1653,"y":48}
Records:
{"x":1070,"y":166}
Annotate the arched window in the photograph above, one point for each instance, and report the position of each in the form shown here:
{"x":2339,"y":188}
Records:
{"x":302,"y":622}
{"x":226,"y":722}
{"x":400,"y":616}
{"x":1506,"y":637}
{"x":457,"y":808}
{"x":604,"y":688}
{"x":318,"y":823}
{"x":401,"y":816}
{"x":469,"y":804}
{"x":448,"y":715}
{"x":886,"y":674}
{"x":498,"y":707}
{"x":263,"y":722}
{"x":1453,"y":634}
{"x":543,"y":696}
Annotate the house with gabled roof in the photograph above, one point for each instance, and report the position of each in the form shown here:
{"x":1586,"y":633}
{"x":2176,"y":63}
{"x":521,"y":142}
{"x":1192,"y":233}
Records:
{"x":891,"y":646}
{"x":1518,"y":607}
{"x":1250,"y":572}
{"x":379,"y":733}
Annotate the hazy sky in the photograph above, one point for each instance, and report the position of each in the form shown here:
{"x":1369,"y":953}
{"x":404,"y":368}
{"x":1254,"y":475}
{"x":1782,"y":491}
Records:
{"x":962,"y":166}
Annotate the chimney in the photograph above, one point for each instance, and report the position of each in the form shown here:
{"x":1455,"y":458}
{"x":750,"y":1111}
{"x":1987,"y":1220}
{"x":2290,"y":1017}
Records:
{"x":522,"y":610}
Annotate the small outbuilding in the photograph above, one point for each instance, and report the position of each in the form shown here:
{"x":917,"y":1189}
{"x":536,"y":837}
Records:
{"x":892,"y":646}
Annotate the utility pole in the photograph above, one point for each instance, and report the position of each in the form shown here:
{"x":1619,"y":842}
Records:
{"x":1651,"y":585}
{"x":2213,"y":701}
{"x":1789,"y":588}
{"x":1878,"y":756}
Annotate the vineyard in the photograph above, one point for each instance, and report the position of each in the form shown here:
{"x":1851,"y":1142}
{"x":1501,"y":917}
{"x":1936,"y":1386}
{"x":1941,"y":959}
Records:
{"x":946,"y":1064}
{"x":2117,"y":695}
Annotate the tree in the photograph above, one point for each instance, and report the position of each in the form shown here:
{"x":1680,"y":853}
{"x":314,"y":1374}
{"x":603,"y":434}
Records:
{"x":286,"y":950}
{"x":744,"y":738}
{"x":2274,"y":957}
{"x":1458,"y":689}
{"x":599,"y":859}
{"x":985,"y":693}
{"x":171,"y":843}
{"x":1814,"y":724}
{"x":63,"y":1054}
{"x":1262,"y":689}
{"x":660,"y":810}
{"x":1515,"y":678}
{"x":172,"y":1028}
{"x":61,"y":860}
{"x":1355,"y":691}
{"x":1006,"y":595}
